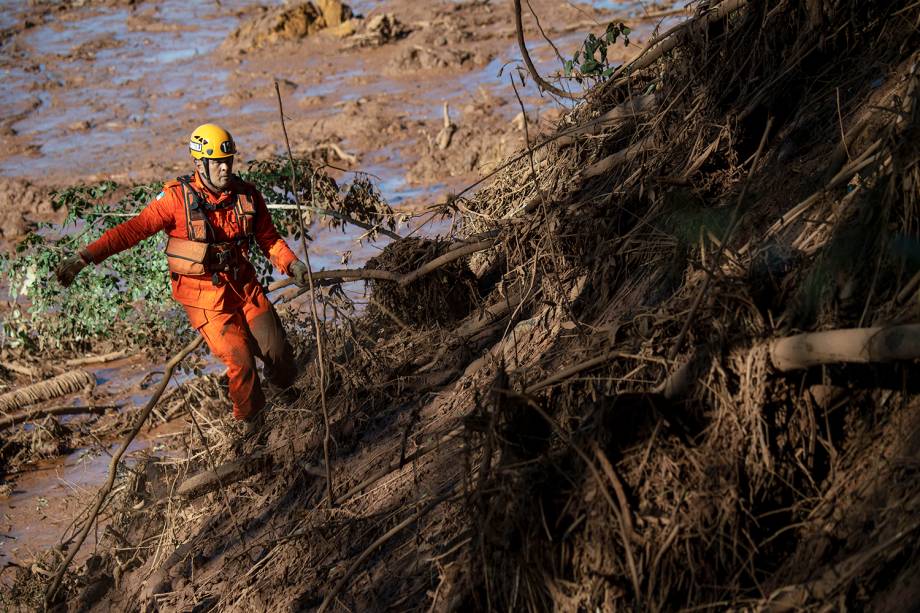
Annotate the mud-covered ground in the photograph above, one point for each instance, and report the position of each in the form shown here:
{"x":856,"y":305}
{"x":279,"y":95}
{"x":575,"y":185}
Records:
{"x":111,"y":90}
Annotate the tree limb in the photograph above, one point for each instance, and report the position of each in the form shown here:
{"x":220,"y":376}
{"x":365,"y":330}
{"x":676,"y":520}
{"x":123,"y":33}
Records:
{"x":386,"y":275}
{"x":541,"y":82}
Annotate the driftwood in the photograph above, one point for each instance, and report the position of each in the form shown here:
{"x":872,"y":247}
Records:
{"x":857,"y":345}
{"x":58,"y":386}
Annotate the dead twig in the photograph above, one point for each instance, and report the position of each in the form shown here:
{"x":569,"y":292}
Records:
{"x":320,"y":357}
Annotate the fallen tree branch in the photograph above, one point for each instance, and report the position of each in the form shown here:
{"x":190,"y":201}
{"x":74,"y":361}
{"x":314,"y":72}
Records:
{"x":8,"y":421}
{"x":856,"y":345}
{"x":341,"y":216}
{"x":99,"y":359}
{"x":58,"y":386}
{"x":113,"y":467}
{"x":541,"y":82}
{"x":386,"y":275}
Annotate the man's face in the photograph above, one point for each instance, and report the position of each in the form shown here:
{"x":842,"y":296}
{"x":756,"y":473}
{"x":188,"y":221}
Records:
{"x":220,"y":171}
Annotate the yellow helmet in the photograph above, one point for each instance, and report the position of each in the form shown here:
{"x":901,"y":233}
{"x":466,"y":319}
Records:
{"x":211,"y":141}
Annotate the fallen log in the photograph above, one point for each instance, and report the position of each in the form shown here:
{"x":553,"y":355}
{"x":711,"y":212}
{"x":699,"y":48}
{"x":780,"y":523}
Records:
{"x":386,"y":275}
{"x":98,"y":359}
{"x":856,"y":345}
{"x":58,"y":386}
{"x":231,"y":472}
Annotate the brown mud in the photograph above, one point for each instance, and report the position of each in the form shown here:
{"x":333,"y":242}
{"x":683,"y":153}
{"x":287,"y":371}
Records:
{"x":637,"y":389}
{"x":96,"y":88}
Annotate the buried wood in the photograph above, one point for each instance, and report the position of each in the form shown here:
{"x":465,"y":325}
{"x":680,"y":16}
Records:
{"x":61,"y":385}
{"x":8,"y":421}
{"x":106,"y":489}
{"x":632,"y":108}
{"x":856,"y":345}
{"x":231,"y":472}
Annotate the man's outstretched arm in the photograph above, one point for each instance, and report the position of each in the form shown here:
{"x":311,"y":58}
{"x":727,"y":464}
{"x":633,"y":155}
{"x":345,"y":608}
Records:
{"x":157,"y":215}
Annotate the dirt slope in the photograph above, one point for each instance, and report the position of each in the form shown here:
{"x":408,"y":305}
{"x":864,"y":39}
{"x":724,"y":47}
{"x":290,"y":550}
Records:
{"x":613,"y":427}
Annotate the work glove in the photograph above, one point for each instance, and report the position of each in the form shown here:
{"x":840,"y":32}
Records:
{"x":70,"y":268}
{"x":298,"y":271}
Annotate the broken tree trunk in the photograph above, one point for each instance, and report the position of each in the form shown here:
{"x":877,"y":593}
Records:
{"x":231,"y":472}
{"x":857,"y":345}
{"x":58,"y":386}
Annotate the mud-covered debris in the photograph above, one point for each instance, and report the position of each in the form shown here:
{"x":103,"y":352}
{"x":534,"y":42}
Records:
{"x":446,"y":295}
{"x":380,"y":30}
{"x":270,"y":26}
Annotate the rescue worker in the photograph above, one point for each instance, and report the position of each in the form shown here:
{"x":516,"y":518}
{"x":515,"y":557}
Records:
{"x":210,"y":218}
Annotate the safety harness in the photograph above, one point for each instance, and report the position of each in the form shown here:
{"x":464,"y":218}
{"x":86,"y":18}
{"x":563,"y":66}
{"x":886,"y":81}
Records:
{"x":201,"y":253}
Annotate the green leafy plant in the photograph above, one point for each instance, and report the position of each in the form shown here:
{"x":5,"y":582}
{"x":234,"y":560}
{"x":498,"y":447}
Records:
{"x":128,"y":294}
{"x":590,"y":60}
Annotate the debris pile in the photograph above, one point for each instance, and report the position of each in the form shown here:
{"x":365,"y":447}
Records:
{"x":290,"y":22}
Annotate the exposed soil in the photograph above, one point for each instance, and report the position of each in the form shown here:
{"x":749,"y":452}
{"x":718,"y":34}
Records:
{"x":675,"y":367}
{"x":98,"y":90}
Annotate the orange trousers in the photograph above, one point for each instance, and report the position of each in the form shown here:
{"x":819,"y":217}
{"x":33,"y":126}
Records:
{"x":239,"y":336}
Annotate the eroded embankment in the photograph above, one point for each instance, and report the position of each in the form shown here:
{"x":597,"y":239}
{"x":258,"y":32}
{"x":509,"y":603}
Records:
{"x":619,"y":423}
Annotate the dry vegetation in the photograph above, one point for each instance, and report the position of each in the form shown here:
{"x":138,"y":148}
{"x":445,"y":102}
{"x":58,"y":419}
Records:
{"x":607,"y":426}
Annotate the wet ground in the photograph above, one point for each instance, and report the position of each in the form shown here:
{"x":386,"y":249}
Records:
{"x":111,"y":90}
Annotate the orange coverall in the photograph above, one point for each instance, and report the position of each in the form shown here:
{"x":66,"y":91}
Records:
{"x":234,"y":317}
